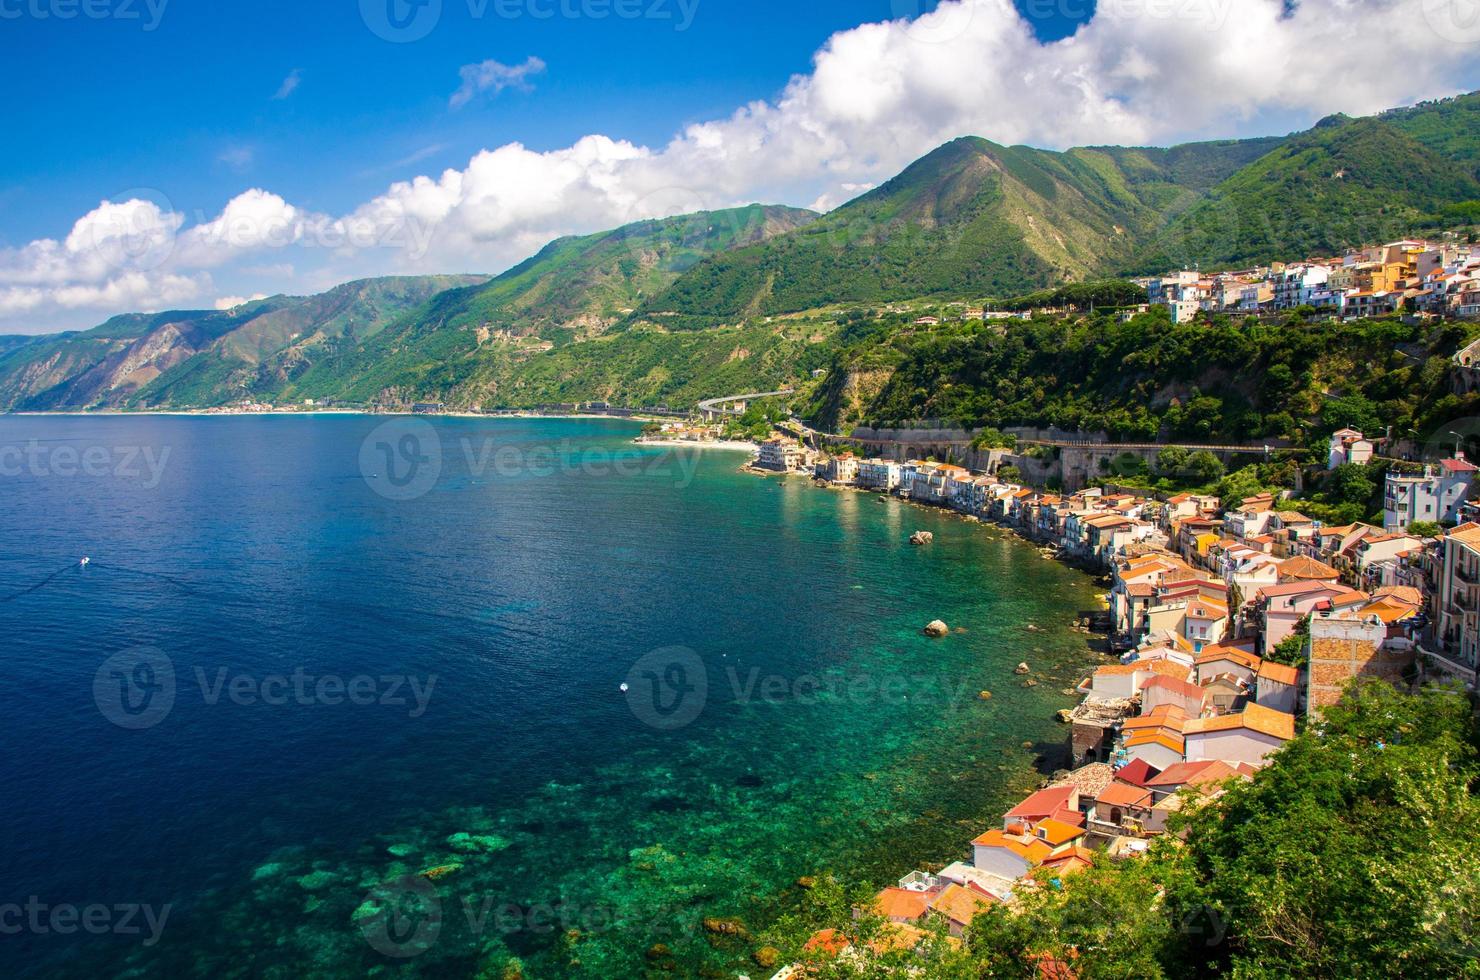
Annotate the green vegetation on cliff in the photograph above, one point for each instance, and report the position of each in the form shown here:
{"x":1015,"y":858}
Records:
{"x":1355,"y":852}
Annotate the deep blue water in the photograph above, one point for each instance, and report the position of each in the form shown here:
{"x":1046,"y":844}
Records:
{"x":523,"y":588}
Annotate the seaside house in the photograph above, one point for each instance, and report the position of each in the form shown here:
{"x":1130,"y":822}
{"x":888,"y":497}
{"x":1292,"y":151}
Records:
{"x":1155,"y":738}
{"x":1238,"y":661}
{"x":1121,"y":804}
{"x":878,"y":474}
{"x":1248,"y":736}
{"x":1277,"y":686}
{"x":959,"y":904}
{"x":1008,"y":855}
{"x":1162,"y":691}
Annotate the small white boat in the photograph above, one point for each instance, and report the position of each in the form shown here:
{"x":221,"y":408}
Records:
{"x":85,"y":562}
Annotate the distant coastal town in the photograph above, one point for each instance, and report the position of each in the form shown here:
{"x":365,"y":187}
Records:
{"x":1234,"y":625}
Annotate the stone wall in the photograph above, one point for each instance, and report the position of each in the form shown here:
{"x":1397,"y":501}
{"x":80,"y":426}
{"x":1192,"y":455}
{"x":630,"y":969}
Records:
{"x":1341,"y":649}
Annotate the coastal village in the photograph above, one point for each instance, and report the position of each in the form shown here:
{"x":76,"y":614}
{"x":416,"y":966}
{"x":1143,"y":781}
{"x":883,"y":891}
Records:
{"x":1231,"y":625}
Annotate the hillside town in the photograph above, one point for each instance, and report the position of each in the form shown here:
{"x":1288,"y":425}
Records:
{"x":1230,"y":625}
{"x":1422,"y":277}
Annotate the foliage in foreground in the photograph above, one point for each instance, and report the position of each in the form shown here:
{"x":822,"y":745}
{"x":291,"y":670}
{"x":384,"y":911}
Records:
{"x":1356,"y":852}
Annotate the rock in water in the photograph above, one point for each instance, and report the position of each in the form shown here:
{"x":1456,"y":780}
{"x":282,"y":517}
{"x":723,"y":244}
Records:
{"x":922,"y":537}
{"x":1065,"y":715}
{"x":937,"y":629}
{"x":1020,"y":669}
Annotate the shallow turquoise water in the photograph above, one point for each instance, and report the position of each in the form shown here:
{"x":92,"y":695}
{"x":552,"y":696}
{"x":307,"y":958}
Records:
{"x":286,"y":837}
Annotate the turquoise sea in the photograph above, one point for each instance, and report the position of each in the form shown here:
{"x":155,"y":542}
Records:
{"x":312,"y":658}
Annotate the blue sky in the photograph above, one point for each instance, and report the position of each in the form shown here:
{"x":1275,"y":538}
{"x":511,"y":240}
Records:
{"x":261,"y":146}
{"x":188,"y":107}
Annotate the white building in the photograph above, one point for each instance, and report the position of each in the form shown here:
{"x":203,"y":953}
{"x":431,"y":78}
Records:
{"x":1435,"y":495}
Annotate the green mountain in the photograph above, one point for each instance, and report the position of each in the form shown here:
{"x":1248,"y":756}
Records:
{"x":1344,"y":182}
{"x":462,"y":344}
{"x":697,"y":305}
{"x":201,"y":357}
{"x":971,"y":218}
{"x":579,"y":286}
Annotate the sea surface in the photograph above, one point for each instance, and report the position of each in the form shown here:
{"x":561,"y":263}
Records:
{"x":599,"y":691}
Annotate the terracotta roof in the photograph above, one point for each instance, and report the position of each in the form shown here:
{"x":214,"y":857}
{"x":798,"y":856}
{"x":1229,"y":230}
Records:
{"x":961,"y":904}
{"x":1278,"y":673}
{"x":1193,"y":774}
{"x":1042,"y":803}
{"x":1219,"y":651}
{"x":1031,"y":850}
{"x":1124,"y":794}
{"x":1458,"y":465}
{"x":1137,"y":773}
{"x":829,"y":941}
{"x":1056,"y":832}
{"x":901,"y":903}
{"x":1254,"y":717}
{"x":1184,"y":688}
{"x":1402,"y":593}
{"x":1159,"y":736}
{"x":1302,"y":567}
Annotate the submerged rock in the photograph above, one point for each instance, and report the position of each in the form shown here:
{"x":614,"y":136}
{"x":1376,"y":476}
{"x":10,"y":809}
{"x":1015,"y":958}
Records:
{"x":1065,"y":715}
{"x":937,"y":629}
{"x":269,"y":870}
{"x":922,"y":537}
{"x":985,"y":696}
{"x":401,"y":850}
{"x":315,"y":880}
{"x":766,"y":957}
{"x":441,"y":871}
{"x":725,"y":927}
{"x":478,"y":843}
{"x":1021,"y":668}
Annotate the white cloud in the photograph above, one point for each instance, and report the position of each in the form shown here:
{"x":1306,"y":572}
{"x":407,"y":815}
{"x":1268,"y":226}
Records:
{"x":877,"y":97}
{"x":494,"y":76}
{"x":238,"y":158}
{"x":232,"y":302}
{"x":290,"y":84}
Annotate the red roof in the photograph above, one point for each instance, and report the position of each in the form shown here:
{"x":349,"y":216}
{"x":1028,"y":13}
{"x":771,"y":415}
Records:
{"x":1458,"y":466}
{"x":1044,"y":803}
{"x":1138,"y":773}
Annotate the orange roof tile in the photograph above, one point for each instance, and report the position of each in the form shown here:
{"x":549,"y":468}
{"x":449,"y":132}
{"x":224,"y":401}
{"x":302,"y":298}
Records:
{"x":961,"y":904}
{"x":901,"y":903}
{"x":1278,"y":673}
{"x":1031,"y":850}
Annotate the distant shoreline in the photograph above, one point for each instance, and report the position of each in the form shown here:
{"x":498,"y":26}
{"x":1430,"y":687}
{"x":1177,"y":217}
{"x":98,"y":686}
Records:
{"x":210,"y":413}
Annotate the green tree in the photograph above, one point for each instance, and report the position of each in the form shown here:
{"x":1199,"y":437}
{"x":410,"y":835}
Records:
{"x":1204,"y":467}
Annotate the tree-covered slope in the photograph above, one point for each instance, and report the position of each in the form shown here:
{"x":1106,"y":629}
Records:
{"x":1148,"y":378}
{"x":969,"y":218}
{"x":1345,"y":182}
{"x":578,"y":286}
